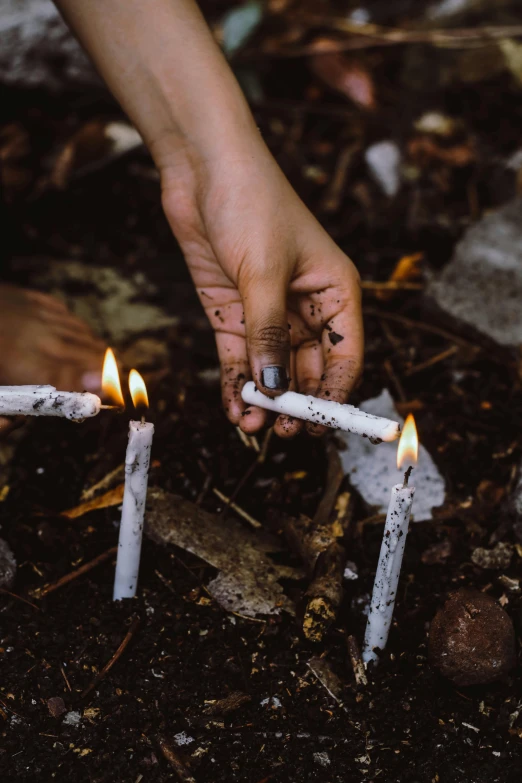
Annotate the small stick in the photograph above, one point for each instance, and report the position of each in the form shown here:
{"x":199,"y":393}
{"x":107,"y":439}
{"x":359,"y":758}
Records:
{"x":175,"y":762}
{"x":335,"y":189}
{"x":119,"y":408}
{"x":108,"y":666}
{"x":356,"y":661}
{"x":440,"y":357}
{"x":19,"y":598}
{"x":250,"y":441}
{"x":420,"y":325}
{"x":115,"y":475}
{"x":66,"y":680}
{"x":237,"y":509}
{"x":50,"y":588}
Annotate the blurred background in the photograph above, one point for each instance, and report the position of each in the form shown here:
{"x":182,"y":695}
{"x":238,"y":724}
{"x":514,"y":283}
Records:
{"x":399,"y":124}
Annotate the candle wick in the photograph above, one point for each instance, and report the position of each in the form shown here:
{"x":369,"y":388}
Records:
{"x":143,"y":419}
{"x":407,"y":476}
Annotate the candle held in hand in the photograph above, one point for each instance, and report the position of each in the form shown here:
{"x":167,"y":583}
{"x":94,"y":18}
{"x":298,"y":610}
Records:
{"x":137,"y":460}
{"x":392,"y":550}
{"x":326,"y":412}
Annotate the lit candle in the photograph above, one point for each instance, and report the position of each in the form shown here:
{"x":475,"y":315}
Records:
{"x":47,"y":401}
{"x":326,"y":412}
{"x":392,"y":549}
{"x":137,"y":460}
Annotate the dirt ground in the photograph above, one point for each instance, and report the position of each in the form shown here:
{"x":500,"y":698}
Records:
{"x":157,"y":714}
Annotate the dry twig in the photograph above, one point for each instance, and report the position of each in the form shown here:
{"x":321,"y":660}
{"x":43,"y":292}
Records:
{"x":19,"y":598}
{"x":440,"y":357}
{"x":40,"y":592}
{"x":108,"y":666}
{"x":242,"y":513}
{"x":421,"y":326}
{"x":356,"y":661}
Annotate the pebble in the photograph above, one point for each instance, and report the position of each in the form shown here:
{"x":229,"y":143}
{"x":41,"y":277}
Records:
{"x":56,"y":706}
{"x":72,"y":718}
{"x":498,"y":558}
{"x":472,"y":640}
{"x":322,"y":758}
{"x":7,"y":565}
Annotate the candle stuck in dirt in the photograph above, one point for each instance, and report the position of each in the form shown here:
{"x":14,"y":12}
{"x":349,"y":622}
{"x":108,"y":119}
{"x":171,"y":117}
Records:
{"x":137,"y":460}
{"x":392,"y":549}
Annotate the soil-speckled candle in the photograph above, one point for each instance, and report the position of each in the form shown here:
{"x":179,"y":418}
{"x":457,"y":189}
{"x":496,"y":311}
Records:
{"x":326,"y":412}
{"x":137,"y":460}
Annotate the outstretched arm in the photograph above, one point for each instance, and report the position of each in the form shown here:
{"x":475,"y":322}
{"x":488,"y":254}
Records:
{"x":283,"y":299}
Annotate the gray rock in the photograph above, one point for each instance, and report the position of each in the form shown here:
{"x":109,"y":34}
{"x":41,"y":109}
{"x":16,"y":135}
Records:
{"x":7,"y":565}
{"x":38,"y":48}
{"x":482,"y":284}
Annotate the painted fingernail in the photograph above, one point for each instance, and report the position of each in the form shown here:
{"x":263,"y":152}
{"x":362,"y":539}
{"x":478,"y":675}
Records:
{"x":91,"y":381}
{"x":274,"y":377}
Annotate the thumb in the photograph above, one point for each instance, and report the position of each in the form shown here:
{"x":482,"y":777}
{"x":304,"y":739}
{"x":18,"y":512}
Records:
{"x":267,"y":332}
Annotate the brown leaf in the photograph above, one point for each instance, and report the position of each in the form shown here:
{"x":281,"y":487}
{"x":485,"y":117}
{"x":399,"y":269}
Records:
{"x":111,"y":498}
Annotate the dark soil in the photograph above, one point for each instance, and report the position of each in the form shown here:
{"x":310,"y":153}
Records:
{"x":409,"y":724}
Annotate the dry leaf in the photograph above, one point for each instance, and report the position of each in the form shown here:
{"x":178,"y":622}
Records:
{"x":248,"y":579}
{"x":111,"y":498}
{"x":407,"y":269}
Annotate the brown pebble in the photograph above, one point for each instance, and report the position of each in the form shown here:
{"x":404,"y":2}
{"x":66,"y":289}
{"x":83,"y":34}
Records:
{"x":56,"y":706}
{"x":472,"y":640}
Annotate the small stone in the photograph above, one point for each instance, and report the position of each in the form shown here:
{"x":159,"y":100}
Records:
{"x":472,"y":640}
{"x":498,"y":558}
{"x":56,"y":706}
{"x":322,"y":758}
{"x":7,"y":565}
{"x":72,"y":718}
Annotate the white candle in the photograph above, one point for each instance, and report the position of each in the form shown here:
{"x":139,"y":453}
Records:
{"x":327,"y":412}
{"x":137,"y":461}
{"x":388,"y":571}
{"x":392,"y":550}
{"x":47,"y":401}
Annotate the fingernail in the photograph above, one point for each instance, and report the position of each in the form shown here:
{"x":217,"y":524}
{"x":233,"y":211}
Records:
{"x":274,"y":377}
{"x":91,"y":381}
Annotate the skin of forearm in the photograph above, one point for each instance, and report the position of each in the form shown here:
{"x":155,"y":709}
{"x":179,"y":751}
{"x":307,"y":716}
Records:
{"x":162,"y":64}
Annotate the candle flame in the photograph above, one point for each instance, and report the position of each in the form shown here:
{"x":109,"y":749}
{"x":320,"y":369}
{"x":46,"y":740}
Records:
{"x":409,"y":443}
{"x":111,"y":385}
{"x":138,"y":390}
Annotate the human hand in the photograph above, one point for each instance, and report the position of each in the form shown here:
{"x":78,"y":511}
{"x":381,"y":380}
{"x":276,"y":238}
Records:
{"x":283,"y":299}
